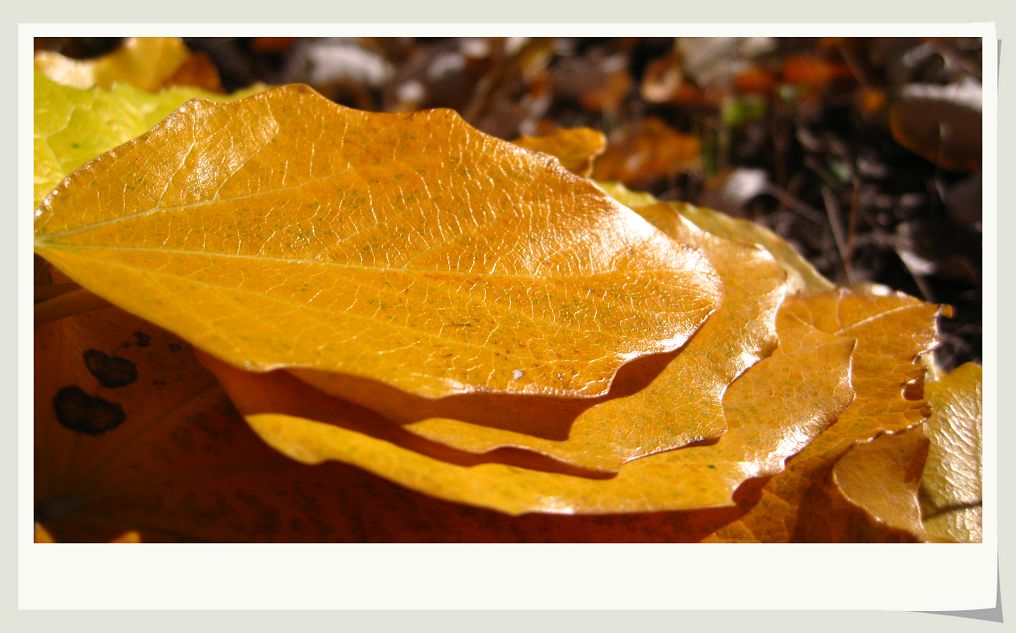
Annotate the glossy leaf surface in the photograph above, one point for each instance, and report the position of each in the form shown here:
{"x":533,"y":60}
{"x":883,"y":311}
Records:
{"x":73,"y":125}
{"x":659,"y":404}
{"x":951,"y":486}
{"x":810,"y":372}
{"x":286,"y":231}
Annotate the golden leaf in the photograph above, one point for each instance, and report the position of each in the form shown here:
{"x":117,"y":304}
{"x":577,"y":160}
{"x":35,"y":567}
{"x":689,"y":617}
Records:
{"x":286,"y":231}
{"x":676,"y":398}
{"x":892,"y":332}
{"x":73,"y":126}
{"x":882,"y":477}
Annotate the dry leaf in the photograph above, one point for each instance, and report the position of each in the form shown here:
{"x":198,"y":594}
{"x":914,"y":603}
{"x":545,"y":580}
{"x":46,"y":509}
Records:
{"x":145,"y":62}
{"x":675,"y":398}
{"x":882,"y":477}
{"x":271,"y":232}
{"x":575,"y":148}
{"x":810,"y":371}
{"x":941,"y":124}
{"x":951,"y":486}
{"x":892,"y":332}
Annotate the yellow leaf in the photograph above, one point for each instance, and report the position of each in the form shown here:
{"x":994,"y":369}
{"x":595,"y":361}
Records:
{"x":882,"y":477}
{"x":951,"y":486}
{"x":892,"y":332}
{"x":73,"y":126}
{"x":676,"y":399}
{"x":575,"y":148}
{"x":286,"y":231}
{"x":803,"y":276}
{"x":145,"y":62}
{"x":809,"y":372}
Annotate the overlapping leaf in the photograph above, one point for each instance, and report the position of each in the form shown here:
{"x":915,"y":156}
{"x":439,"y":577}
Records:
{"x":656,"y":405}
{"x":271,"y":231}
{"x":892,"y":332}
{"x":145,"y":62}
{"x":73,"y":125}
{"x":803,"y":276}
{"x":882,"y":478}
{"x":809,"y":370}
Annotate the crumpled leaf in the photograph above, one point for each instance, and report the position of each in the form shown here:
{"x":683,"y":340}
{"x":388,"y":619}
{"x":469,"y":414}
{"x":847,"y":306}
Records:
{"x":882,"y":477}
{"x":951,"y":486}
{"x":73,"y":126}
{"x":810,"y":371}
{"x":576,"y":148}
{"x":803,"y":276}
{"x":273,"y":231}
{"x":892,"y":331}
{"x":676,"y":399}
{"x":145,"y":62}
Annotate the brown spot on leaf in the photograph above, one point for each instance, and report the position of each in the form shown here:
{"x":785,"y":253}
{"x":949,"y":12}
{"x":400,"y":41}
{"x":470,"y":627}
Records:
{"x":112,"y":371}
{"x":141,"y":339}
{"x":83,"y":413}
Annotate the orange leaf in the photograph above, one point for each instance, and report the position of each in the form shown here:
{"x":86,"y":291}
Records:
{"x":677,"y":398}
{"x":575,"y":148}
{"x":286,"y":231}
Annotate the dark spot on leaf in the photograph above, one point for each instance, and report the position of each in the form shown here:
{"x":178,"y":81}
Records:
{"x":159,"y":383}
{"x":712,"y":465}
{"x":83,"y":413}
{"x":112,"y":371}
{"x":141,"y":339}
{"x":175,"y":347}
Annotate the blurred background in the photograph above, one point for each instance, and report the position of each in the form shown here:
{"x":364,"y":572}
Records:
{"x":864,"y":153}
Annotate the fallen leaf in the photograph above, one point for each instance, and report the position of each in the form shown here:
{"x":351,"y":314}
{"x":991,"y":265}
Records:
{"x":810,"y":371}
{"x":677,"y":398}
{"x":270,"y":232}
{"x":941,"y":124}
{"x":197,"y":71}
{"x":951,"y":486}
{"x":145,"y":62}
{"x":647,"y":151}
{"x":892,"y":331}
{"x":882,"y":477}
{"x":73,"y":126}
{"x":575,"y":148}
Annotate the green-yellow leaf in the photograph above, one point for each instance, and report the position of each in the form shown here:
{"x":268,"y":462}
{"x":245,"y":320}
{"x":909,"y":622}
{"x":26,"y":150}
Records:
{"x":287,"y":231}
